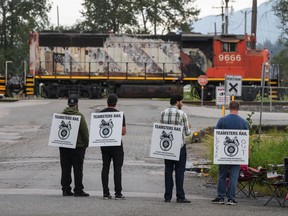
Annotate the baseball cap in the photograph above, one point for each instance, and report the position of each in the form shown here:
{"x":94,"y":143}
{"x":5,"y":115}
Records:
{"x":72,"y":101}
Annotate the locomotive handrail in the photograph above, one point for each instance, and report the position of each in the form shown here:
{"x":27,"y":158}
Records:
{"x":58,"y":72}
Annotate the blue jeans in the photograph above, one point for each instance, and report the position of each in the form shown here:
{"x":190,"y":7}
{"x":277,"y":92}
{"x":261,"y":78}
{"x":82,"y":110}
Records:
{"x":179,"y":175}
{"x":233,"y":171}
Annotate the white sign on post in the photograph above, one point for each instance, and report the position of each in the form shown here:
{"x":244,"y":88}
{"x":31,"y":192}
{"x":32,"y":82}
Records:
{"x":166,"y":141}
{"x":233,"y":85}
{"x":220,"y":96}
{"x":106,"y":129}
{"x":231,"y":146}
{"x":64,"y":130}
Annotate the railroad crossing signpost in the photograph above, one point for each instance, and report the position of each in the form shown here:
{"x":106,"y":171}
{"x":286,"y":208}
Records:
{"x":202,"y":80}
{"x":221,"y":97}
{"x":233,"y":85}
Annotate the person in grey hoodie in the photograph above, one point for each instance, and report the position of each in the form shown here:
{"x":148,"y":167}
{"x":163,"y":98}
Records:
{"x":74,"y":157}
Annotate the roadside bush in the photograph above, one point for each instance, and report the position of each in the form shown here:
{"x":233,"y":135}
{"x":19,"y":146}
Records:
{"x":272,"y":149}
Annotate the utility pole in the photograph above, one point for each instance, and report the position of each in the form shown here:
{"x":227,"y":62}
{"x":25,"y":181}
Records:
{"x":245,"y":26}
{"x":58,"y":18}
{"x":223,"y":20}
{"x":226,"y":16}
{"x":254,"y":23}
{"x":155,"y":15}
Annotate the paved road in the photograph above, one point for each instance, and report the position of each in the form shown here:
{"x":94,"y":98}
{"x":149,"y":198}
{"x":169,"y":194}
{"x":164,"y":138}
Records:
{"x":30,"y":171}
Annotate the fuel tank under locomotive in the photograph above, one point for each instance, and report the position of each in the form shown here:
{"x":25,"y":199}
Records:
{"x":149,"y":91}
{"x":97,"y":90}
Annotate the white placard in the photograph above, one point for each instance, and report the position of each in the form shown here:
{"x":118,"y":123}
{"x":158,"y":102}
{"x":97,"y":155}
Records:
{"x":220,"y":96}
{"x":64,"y":130}
{"x":231,"y":146}
{"x":106,"y":129}
{"x":166,"y":141}
{"x":233,"y":85}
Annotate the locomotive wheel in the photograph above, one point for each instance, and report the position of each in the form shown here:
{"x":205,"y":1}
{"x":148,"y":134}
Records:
{"x":281,"y":93}
{"x":209,"y":93}
{"x":249,"y":94}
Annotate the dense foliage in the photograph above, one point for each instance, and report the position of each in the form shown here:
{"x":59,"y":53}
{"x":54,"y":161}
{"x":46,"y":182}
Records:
{"x":281,"y":11}
{"x":17,"y":19}
{"x":138,"y":16}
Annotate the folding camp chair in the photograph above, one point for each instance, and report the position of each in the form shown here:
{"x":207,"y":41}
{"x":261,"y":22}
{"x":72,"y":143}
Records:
{"x":279,"y":191}
{"x":247,"y":179}
{"x":278,"y":186}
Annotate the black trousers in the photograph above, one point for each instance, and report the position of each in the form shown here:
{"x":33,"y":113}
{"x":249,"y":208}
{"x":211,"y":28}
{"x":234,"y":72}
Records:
{"x":72,"y":158}
{"x":117,"y":155}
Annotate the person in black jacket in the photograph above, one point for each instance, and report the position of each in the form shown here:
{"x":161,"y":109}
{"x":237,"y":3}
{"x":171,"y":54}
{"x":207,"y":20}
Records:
{"x":114,"y":153}
{"x":74,"y":157}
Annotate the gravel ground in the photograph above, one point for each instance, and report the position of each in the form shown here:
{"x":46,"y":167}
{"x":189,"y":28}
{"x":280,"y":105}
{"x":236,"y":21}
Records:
{"x":266,"y":108}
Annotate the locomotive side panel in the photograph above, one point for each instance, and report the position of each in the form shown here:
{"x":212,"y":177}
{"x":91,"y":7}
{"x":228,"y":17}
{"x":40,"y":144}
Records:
{"x":254,"y":61}
{"x":91,"y":64}
{"x":119,"y":56}
{"x":197,"y":55}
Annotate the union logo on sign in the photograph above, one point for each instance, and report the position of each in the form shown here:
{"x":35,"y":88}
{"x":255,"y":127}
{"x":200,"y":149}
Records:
{"x":202,"y":80}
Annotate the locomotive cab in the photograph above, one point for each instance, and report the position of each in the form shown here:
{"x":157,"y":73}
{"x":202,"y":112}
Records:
{"x":233,"y":56}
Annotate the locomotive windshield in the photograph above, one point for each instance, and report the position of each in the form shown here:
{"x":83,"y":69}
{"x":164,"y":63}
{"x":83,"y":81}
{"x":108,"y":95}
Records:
{"x":228,"y":47}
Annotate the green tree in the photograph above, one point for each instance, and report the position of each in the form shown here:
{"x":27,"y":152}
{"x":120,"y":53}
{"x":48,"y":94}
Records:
{"x":281,"y":11}
{"x":107,"y":15}
{"x":274,"y":48}
{"x":17,"y":19}
{"x":138,"y":16}
{"x":281,"y":59}
{"x":167,"y":15}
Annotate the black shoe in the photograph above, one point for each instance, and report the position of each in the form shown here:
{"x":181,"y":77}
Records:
{"x":67,"y":193}
{"x":81,"y":194}
{"x":107,"y":196}
{"x":231,"y":202}
{"x":218,"y":200}
{"x":183,"y":201}
{"x":166,"y":200}
{"x":119,"y":197}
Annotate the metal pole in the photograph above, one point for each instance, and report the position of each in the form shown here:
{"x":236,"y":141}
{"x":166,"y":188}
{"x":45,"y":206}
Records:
{"x":58,"y":18}
{"x":245,"y":26}
{"x":6,"y":71}
{"x":261,"y":108}
{"x":223,"y":106}
{"x":270,"y":98}
{"x":226,"y":17}
{"x":254,"y":23}
{"x":223,"y":21}
{"x":202,"y":94}
{"x":25,"y":72}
